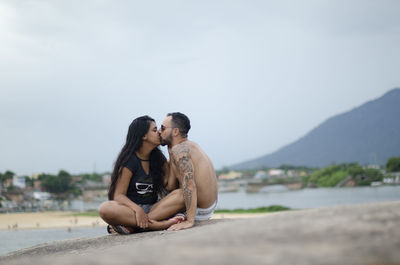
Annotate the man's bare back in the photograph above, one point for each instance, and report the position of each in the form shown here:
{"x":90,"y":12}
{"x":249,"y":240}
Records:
{"x":203,"y":171}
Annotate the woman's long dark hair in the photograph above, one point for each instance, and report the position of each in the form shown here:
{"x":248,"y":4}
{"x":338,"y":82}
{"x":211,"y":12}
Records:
{"x":138,"y":128}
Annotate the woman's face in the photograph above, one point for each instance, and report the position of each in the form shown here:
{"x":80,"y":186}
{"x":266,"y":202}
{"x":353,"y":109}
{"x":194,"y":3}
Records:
{"x":152,"y":134}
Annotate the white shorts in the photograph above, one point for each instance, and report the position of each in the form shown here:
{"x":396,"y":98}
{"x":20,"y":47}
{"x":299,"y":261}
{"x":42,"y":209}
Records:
{"x":205,"y":214}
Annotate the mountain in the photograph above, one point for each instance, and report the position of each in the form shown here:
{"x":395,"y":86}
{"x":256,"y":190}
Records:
{"x":368,"y":134}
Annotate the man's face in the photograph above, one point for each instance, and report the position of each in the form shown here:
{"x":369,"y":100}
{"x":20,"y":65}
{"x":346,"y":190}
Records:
{"x":165,"y":131}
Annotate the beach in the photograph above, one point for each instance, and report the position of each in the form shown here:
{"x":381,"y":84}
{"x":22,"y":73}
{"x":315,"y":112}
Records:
{"x":58,"y":219}
{"x":45,"y":220}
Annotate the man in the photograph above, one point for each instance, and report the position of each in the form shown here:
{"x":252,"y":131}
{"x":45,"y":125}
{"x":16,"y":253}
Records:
{"x":193,"y":169}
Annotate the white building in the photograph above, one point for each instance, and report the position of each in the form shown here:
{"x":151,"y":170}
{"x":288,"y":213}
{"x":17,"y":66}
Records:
{"x":40,"y":195}
{"x":276,"y":172}
{"x":19,"y":182}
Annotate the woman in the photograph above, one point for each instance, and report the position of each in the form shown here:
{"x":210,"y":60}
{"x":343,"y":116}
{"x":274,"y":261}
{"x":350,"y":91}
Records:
{"x":139,"y":176}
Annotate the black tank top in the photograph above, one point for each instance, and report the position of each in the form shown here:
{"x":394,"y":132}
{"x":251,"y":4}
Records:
{"x":141,"y":186}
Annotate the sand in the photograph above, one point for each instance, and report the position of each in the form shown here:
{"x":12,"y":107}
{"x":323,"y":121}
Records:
{"x":47,"y":220}
{"x":44,"y":220}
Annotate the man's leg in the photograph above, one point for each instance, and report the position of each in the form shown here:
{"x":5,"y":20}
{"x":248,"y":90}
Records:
{"x":168,"y":206}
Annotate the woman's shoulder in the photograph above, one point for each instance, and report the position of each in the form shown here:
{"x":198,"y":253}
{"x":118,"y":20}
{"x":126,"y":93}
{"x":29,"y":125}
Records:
{"x":132,"y":163}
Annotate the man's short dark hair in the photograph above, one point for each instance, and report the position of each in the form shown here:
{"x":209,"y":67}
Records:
{"x":180,"y":121}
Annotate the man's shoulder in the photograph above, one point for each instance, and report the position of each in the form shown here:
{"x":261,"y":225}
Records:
{"x":181,"y":148}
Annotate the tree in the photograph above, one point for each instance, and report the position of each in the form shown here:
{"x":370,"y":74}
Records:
{"x":61,"y":185}
{"x":393,"y":164}
{"x":28,"y":181}
{"x":7,"y":175}
{"x":356,"y":170}
{"x":369,"y":175}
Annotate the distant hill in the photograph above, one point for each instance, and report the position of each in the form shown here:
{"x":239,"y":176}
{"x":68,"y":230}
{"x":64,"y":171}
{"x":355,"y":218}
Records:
{"x":367,"y":134}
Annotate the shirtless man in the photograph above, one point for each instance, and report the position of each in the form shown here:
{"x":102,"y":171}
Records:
{"x":192,"y":170}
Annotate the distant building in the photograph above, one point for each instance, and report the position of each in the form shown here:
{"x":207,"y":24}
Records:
{"x":276,"y":173}
{"x":261,"y":175}
{"x":77,"y":179}
{"x":303,"y":173}
{"x":230,"y":175}
{"x":394,"y":174}
{"x":19,"y":182}
{"x":106,"y":179}
{"x":292,"y":173}
{"x":40,"y":195}
{"x":7,"y":183}
{"x":37,"y":184}
{"x":392,"y":180}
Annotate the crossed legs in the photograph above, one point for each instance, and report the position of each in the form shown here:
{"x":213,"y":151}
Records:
{"x":115,"y":213}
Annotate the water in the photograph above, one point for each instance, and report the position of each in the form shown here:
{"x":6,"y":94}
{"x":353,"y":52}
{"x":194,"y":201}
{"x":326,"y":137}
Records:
{"x":272,"y":195}
{"x":14,"y":240}
{"x":307,"y":198}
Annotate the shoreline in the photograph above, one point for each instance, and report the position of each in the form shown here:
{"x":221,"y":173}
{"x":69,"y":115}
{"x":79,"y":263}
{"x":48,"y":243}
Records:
{"x":47,"y":220}
{"x":67,"y":219}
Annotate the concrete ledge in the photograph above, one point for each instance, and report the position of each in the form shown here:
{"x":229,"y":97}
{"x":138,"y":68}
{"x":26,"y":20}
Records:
{"x":357,"y":234}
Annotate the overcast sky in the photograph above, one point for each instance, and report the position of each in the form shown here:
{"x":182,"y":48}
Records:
{"x":252,"y":76}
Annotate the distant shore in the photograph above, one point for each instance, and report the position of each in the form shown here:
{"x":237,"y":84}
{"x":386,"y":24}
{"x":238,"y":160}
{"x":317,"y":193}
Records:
{"x":61,"y":219}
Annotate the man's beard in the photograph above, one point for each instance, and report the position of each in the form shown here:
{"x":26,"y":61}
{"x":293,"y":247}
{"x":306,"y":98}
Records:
{"x":166,"y":141}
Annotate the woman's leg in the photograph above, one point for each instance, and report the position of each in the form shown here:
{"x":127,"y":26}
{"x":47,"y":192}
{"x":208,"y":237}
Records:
{"x":114,"y":213}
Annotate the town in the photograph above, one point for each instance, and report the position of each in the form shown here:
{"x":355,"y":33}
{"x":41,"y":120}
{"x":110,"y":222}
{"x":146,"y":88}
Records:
{"x":46,"y":192}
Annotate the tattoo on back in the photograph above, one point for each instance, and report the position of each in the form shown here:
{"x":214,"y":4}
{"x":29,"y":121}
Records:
{"x":181,"y":157}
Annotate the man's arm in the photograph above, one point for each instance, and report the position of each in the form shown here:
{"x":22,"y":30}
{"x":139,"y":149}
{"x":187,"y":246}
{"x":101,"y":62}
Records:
{"x":170,"y":181}
{"x":181,"y":157}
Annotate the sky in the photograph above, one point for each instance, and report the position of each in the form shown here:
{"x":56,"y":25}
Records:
{"x":252,"y":76}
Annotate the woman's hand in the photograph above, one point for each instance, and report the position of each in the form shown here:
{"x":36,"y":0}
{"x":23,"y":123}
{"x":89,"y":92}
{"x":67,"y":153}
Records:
{"x":142,"y":220}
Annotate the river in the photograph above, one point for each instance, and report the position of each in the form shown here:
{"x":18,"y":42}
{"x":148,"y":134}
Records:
{"x":307,"y":198}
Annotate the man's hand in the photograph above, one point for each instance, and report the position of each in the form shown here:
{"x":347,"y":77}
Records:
{"x":180,"y":226}
{"x":142,"y":220}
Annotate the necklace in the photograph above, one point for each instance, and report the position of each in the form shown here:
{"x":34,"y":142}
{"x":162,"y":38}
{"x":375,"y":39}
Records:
{"x":144,"y":160}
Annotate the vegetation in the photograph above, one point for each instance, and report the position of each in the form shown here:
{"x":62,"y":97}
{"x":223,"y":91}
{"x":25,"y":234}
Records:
{"x":332,"y":175}
{"x":61,"y":185}
{"x":269,"y":209}
{"x":6,"y":175}
{"x":393,"y":164}
{"x":93,"y":177}
{"x":299,"y":168}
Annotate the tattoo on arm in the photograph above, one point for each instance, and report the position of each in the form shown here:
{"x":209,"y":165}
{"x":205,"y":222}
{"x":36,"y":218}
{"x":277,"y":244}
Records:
{"x":185,"y":165}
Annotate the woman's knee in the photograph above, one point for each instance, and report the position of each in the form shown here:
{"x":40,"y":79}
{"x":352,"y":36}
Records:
{"x":106,"y":210}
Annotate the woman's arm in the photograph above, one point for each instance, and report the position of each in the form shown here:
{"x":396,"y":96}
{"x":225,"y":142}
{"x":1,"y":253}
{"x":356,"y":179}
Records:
{"x":120,"y":196}
{"x":170,"y":181}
